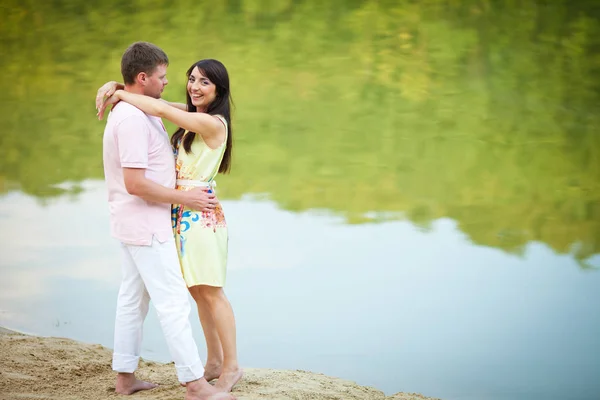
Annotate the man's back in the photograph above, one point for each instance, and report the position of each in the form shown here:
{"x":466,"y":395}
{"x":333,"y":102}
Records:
{"x":133,"y":139}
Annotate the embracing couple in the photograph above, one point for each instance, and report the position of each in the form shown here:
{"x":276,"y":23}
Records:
{"x":164,"y":212}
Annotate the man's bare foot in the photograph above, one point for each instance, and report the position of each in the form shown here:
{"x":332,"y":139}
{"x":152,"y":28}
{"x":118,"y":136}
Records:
{"x":228,"y":379}
{"x":128,"y":384}
{"x":212,"y":371}
{"x":202,"y":390}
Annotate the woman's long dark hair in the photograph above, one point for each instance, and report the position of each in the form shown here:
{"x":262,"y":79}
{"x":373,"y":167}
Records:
{"x":216,"y":72}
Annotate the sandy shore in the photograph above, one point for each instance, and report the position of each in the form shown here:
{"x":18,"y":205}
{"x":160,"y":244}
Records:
{"x":55,"y":368}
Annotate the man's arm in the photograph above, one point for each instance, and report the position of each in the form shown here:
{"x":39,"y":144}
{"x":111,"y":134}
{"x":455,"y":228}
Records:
{"x":137,"y":184}
{"x":132,"y":135}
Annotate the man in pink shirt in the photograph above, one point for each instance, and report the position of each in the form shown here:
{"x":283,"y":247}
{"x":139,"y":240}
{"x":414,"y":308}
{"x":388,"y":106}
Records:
{"x":139,"y":168}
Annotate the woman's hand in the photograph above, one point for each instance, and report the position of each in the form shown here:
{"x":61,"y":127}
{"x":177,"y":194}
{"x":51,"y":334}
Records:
{"x":103,"y":94}
{"x":112,"y":100}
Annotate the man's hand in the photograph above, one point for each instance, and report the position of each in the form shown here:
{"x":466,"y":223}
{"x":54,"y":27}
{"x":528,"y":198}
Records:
{"x":199,"y":199}
{"x":137,"y":184}
{"x":103,"y":96}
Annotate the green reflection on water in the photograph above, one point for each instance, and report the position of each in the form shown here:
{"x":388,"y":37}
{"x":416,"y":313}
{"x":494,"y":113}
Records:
{"x":486,"y":112}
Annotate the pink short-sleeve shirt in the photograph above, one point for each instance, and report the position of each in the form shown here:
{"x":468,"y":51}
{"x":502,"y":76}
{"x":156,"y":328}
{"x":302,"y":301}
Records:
{"x":133,"y":139}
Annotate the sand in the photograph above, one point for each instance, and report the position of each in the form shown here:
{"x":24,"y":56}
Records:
{"x":55,"y":368}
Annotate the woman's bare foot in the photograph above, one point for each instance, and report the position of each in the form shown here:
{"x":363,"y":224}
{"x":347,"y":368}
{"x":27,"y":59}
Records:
{"x":228,"y":379}
{"x":129,"y":384}
{"x":212,"y":371}
{"x":202,"y":390}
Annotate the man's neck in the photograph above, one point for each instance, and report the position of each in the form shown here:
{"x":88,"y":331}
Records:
{"x":134,"y":89}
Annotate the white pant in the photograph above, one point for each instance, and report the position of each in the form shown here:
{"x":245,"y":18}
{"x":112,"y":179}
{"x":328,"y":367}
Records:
{"x":153,"y":272}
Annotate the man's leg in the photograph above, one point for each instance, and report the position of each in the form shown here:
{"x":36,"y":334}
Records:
{"x":132,"y":307}
{"x":159,"y":268}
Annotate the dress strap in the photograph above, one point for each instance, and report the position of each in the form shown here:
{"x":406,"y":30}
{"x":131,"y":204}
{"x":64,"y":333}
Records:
{"x":223,"y":120}
{"x":223,"y":147}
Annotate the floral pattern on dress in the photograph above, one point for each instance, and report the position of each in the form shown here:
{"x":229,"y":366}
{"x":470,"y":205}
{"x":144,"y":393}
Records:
{"x":182,"y":218}
{"x":181,"y":223}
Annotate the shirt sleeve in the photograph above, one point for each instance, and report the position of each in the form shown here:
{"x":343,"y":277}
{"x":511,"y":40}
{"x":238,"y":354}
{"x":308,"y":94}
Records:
{"x":132,"y":136}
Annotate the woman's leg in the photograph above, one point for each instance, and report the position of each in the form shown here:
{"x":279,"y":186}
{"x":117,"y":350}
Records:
{"x":214,"y":358}
{"x":214,"y":303}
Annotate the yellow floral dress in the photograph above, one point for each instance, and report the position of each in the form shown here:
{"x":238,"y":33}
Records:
{"x":201,"y":237}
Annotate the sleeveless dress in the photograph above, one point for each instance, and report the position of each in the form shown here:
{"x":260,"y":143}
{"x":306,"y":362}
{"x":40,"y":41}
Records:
{"x":201,"y":237}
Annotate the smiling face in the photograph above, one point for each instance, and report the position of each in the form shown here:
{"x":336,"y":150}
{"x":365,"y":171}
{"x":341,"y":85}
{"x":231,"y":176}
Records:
{"x":201,"y":90}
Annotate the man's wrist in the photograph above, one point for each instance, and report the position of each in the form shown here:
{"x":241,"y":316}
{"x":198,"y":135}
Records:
{"x":182,"y":197}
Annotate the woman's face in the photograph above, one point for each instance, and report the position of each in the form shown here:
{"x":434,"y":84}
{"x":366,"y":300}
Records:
{"x":201,"y":90}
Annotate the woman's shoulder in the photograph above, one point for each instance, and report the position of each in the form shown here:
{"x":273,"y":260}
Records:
{"x":221,"y":118}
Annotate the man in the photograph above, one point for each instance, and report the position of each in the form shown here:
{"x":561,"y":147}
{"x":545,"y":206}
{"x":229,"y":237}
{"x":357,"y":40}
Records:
{"x":139,"y":168}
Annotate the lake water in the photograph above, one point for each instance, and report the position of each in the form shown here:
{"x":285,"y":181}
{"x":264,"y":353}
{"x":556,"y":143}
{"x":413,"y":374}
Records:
{"x":415,"y":196}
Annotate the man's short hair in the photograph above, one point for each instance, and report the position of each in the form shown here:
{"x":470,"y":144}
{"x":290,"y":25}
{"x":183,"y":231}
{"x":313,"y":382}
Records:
{"x":141,"y":57}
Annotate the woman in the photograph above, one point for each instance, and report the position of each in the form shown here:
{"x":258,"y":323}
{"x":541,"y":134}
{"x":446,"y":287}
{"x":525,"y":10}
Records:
{"x":202,"y":147}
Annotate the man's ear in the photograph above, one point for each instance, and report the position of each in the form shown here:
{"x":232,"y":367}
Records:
{"x":142,"y":78}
